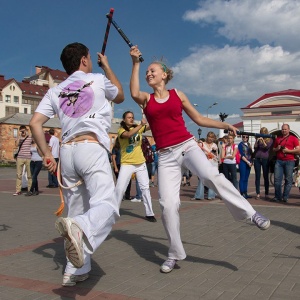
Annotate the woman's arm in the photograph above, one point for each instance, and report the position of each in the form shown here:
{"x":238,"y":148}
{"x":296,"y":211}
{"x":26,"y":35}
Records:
{"x":138,"y":96}
{"x":201,"y":120}
{"x":128,"y":134}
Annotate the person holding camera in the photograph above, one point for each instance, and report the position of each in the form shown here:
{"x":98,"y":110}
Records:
{"x":262,"y":148}
{"x":23,"y":157}
{"x":285,"y":146}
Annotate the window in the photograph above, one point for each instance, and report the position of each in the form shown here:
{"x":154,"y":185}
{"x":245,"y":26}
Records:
{"x":16,"y":99}
{"x":25,"y":110}
{"x":10,"y":110}
{"x":7,"y":98}
{"x":15,"y":132}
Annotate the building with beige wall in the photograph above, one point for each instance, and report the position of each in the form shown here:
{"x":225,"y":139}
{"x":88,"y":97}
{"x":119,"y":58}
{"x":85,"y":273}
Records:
{"x":272,"y":110}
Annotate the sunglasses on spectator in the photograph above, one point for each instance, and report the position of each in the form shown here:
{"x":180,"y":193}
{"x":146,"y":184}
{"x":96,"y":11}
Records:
{"x":245,"y":137}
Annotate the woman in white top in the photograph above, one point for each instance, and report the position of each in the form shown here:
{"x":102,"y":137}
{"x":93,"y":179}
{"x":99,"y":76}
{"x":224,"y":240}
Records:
{"x":229,"y":164}
{"x":36,"y":164}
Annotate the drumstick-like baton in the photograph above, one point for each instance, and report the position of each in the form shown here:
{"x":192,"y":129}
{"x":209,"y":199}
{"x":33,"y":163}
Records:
{"x":253,"y":134}
{"x":123,"y":35}
{"x":109,"y":16}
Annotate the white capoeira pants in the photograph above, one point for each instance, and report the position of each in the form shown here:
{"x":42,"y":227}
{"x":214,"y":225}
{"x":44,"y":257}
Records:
{"x":92,"y":204}
{"x":170,"y":163}
{"x":141,"y":174}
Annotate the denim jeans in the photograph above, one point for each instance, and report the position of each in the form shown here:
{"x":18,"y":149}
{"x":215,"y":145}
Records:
{"x":229,"y":171}
{"x":283,"y":168}
{"x":244,"y":177}
{"x":261,"y":163}
{"x":52,"y":179}
{"x":199,"y":194}
{"x":35,"y":168}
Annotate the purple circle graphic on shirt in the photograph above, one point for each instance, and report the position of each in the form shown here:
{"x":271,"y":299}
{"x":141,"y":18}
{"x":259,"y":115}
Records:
{"x":76,"y":99}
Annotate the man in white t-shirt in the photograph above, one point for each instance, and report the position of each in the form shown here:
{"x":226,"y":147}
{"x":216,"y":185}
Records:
{"x":54,"y":147}
{"x":82,"y":103}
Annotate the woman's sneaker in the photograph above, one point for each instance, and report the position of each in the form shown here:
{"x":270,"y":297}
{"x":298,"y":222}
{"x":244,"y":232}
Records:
{"x":260,"y":221}
{"x":168,"y":265}
{"x":71,"y":280}
{"x":72,"y":233}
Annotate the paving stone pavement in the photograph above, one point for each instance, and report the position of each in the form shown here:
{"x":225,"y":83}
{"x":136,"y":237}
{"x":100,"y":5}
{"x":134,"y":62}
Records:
{"x":225,"y":259}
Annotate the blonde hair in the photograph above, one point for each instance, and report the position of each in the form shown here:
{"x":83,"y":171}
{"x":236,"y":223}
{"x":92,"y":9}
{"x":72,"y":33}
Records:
{"x":265,"y":130}
{"x":211,"y":134}
{"x":165,"y":68}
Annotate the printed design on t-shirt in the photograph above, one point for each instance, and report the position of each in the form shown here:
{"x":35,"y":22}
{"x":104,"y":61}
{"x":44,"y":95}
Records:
{"x":133,"y":141}
{"x":76,"y":99}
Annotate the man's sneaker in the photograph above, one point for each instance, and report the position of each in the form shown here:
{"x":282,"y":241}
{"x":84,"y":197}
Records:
{"x":260,"y":221}
{"x":72,"y":233}
{"x":17,"y":193}
{"x":168,"y":265}
{"x":29,"y":193}
{"x":151,"y":219}
{"x":136,"y":200}
{"x":151,"y":184}
{"x":71,"y":280}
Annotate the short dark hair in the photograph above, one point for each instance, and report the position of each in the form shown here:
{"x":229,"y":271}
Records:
{"x":51,"y":131}
{"x":71,"y":56}
{"x":23,"y":127}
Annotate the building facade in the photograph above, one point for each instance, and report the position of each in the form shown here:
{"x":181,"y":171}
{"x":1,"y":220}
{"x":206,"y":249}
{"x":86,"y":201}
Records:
{"x":272,"y":111}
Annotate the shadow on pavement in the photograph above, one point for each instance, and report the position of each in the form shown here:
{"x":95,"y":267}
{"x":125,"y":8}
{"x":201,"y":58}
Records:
{"x":287,"y":226}
{"x":147,"y":248}
{"x":59,"y":259}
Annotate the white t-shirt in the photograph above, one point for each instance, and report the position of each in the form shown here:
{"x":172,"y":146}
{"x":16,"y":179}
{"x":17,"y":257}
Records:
{"x":228,"y":152}
{"x":82,"y":105}
{"x":54,"y":144}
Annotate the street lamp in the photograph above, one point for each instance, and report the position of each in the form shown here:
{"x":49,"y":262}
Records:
{"x":210,"y":107}
{"x":199,"y":132}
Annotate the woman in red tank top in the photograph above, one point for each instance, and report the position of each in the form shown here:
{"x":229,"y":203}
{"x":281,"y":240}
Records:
{"x":177,"y":149}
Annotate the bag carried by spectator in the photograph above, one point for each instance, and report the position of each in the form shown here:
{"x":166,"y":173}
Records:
{"x":16,"y":154}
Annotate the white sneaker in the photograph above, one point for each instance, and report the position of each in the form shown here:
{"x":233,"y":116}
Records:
{"x":168,"y":265}
{"x":260,"y":221}
{"x":72,"y":233}
{"x":136,"y":200}
{"x":71,"y":280}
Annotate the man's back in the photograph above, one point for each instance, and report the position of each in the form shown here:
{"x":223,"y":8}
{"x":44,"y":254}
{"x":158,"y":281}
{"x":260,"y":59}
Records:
{"x":81,"y":103}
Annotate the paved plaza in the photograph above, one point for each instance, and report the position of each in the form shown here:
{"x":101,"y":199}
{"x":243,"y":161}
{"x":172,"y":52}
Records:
{"x":225,"y":259}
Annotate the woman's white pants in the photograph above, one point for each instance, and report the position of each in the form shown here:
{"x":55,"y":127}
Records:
{"x":170,"y":163}
{"x":141,"y":174}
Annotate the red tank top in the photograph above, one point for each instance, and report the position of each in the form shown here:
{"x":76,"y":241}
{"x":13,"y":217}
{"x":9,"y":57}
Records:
{"x":166,"y":121}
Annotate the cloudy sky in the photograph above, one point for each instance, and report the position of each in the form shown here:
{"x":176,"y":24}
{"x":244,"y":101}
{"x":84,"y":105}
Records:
{"x":230,"y":52}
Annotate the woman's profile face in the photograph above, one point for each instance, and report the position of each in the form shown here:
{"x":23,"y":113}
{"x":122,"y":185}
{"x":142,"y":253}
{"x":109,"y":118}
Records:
{"x":129,"y":119}
{"x":154,"y":74}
